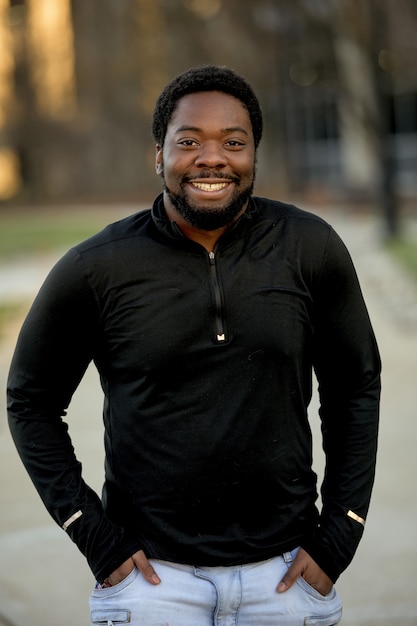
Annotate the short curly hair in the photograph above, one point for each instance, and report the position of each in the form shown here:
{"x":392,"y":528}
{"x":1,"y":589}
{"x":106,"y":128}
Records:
{"x":205,"y":78}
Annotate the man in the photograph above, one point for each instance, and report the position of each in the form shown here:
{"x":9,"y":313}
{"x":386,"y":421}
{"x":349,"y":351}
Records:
{"x":205,"y":317}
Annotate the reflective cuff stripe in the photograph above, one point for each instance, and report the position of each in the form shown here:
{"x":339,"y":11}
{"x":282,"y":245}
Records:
{"x":71,"y":520}
{"x":356,"y":517}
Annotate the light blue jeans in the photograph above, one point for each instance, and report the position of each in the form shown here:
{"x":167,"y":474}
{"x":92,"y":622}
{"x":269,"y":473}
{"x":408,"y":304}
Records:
{"x":242,"y":595}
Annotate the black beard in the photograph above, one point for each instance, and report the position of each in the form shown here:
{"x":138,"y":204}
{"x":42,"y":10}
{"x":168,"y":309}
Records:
{"x":207,"y":218}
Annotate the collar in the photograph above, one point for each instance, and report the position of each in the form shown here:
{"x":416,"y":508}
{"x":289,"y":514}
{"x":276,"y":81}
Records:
{"x":171,"y":231}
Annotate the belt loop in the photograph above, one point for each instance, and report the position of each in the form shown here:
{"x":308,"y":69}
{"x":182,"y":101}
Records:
{"x":287,"y":556}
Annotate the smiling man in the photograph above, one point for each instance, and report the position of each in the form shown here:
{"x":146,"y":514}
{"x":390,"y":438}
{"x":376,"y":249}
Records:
{"x":207,"y":162}
{"x":206,"y":317}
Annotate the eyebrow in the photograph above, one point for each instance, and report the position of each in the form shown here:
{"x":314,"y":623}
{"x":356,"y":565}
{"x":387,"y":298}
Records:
{"x":225,"y":131}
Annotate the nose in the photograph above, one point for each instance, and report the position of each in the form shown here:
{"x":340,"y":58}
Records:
{"x":211,"y":154}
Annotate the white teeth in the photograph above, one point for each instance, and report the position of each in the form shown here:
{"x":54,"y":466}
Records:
{"x":210,"y":186}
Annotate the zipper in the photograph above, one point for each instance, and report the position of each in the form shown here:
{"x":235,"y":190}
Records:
{"x":220,"y":330}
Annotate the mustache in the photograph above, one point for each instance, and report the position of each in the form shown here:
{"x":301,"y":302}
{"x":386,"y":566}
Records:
{"x":208,"y":174}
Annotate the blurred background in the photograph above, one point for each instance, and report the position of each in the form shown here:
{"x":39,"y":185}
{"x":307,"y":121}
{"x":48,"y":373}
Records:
{"x":337,"y":81}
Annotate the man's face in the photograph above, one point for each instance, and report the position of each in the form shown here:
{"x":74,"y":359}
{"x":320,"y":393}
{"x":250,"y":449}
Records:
{"x":208,"y":160}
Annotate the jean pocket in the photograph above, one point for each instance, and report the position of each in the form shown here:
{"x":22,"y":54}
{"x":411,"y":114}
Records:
{"x":313,"y":592}
{"x":327,"y":620}
{"x":108,"y":617}
{"x":109,"y":591}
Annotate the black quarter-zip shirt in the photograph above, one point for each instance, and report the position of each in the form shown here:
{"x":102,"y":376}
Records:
{"x":206,"y":364}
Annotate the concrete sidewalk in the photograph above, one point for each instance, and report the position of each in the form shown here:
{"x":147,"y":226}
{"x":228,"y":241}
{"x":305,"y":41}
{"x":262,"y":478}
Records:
{"x":44,"y":580}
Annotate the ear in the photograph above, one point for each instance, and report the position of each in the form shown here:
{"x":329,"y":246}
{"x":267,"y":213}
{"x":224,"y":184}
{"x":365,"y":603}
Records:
{"x":159,"y":164}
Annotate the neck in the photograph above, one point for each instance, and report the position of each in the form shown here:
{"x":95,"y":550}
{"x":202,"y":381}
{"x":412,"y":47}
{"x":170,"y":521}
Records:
{"x":206,"y":238}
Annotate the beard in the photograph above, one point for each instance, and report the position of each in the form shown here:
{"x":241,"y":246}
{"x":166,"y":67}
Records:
{"x":207,"y":217}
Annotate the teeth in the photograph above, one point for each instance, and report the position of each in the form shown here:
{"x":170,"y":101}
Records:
{"x":210,"y":186}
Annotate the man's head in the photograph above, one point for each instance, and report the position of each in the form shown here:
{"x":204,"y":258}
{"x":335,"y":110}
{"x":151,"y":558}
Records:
{"x":205,"y":78}
{"x":207,"y":125}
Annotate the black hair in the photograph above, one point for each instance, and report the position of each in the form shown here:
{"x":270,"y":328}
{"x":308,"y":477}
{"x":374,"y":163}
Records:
{"x":205,"y":78}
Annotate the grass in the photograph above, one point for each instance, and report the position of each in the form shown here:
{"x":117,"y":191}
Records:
{"x":8,"y":313}
{"x":31,"y":232}
{"x":405,"y":251}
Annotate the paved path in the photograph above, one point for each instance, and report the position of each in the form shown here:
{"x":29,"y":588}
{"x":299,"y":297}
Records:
{"x":44,"y":580}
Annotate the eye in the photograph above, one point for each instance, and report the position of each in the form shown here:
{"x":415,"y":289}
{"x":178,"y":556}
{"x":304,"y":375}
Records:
{"x":235,"y":144}
{"x":187,"y":143}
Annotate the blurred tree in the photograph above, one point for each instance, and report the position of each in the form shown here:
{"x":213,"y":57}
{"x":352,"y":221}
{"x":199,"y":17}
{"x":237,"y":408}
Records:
{"x":119,"y":60}
{"x":51,"y":50}
{"x":361,"y":34}
{"x":9,"y":163}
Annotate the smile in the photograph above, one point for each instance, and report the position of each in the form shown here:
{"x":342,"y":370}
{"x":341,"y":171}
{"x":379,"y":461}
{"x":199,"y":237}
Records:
{"x":210,"y":186}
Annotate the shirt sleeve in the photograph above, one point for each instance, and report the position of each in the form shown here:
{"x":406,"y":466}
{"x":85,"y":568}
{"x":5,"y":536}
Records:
{"x":55,"y":346}
{"x":347,"y":366}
